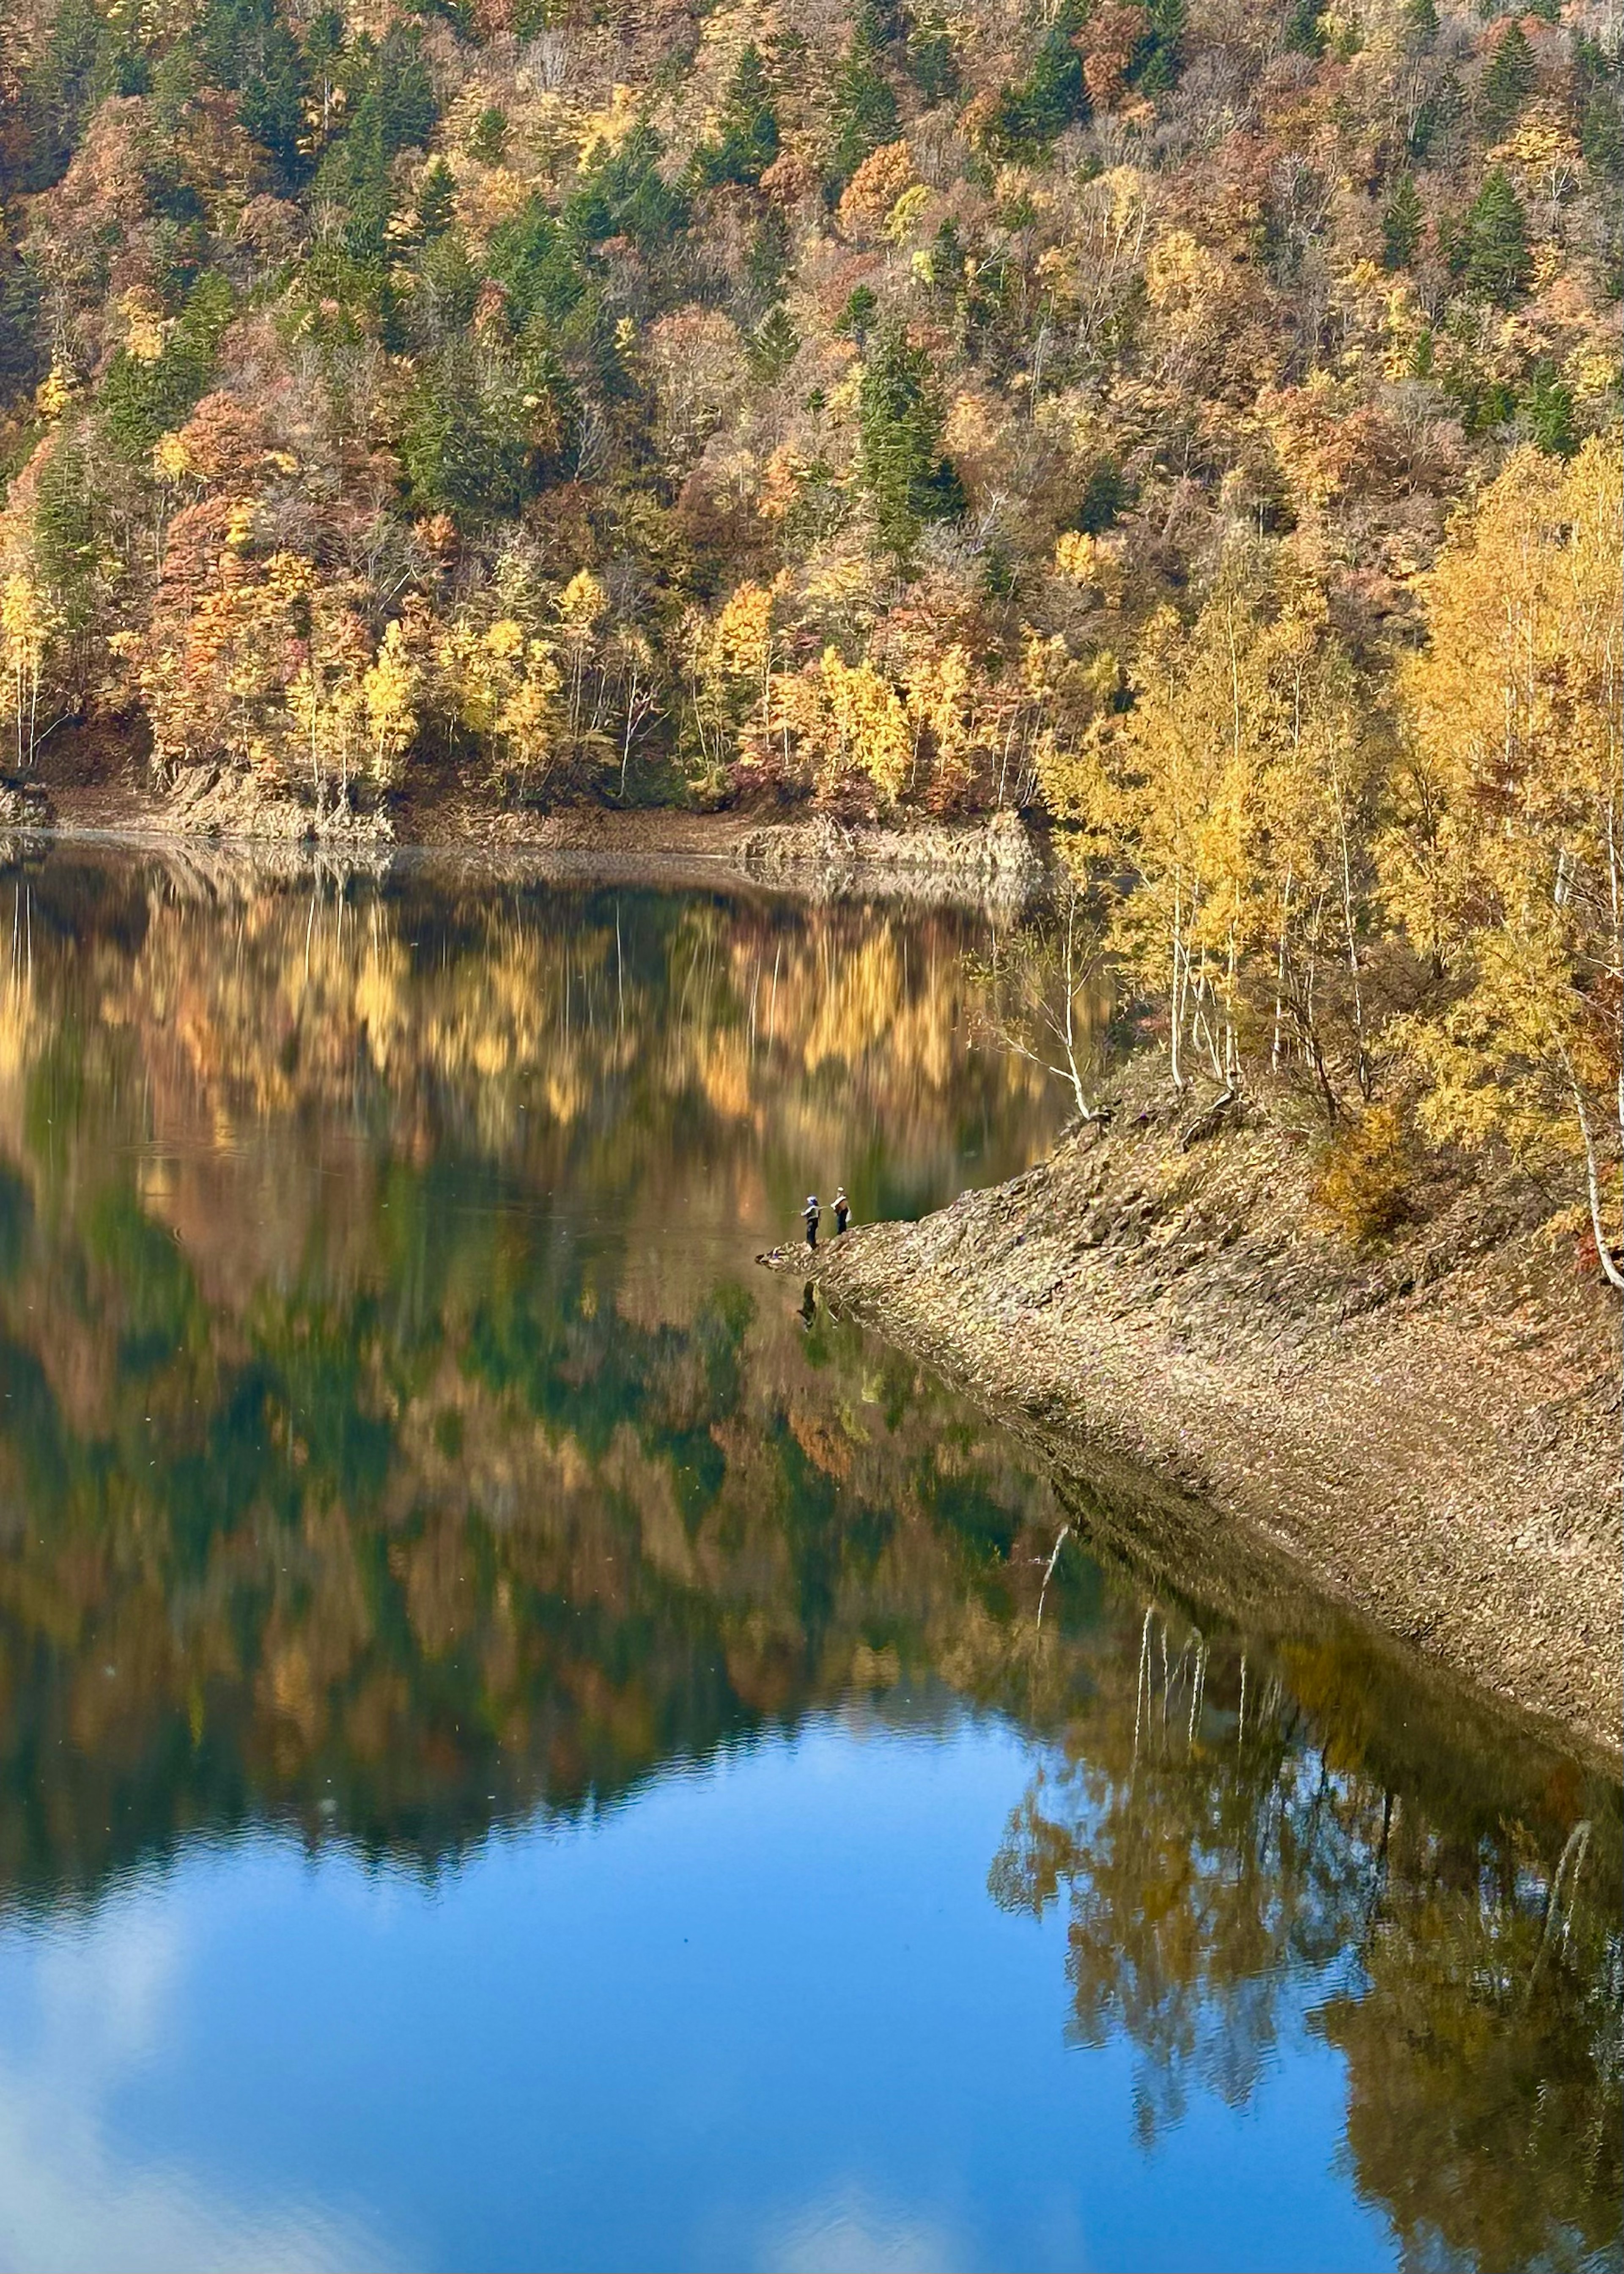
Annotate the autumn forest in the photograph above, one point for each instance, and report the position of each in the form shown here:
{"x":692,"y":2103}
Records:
{"x":971,"y":1743}
{"x":1193,"y":425}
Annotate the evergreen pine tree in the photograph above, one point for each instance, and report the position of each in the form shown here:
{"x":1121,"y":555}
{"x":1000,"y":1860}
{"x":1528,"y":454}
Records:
{"x":1420,"y":22}
{"x":174,"y":89}
{"x":766,"y":258}
{"x":774,"y":346}
{"x":1052,"y":96}
{"x":746,"y":141}
{"x":488,"y":141}
{"x":65,"y":547}
{"x":856,"y":319}
{"x":1508,"y":80}
{"x":1160,"y":54}
{"x":863,"y":112}
{"x":271,"y":105}
{"x":1601,"y":133}
{"x":932,"y":64}
{"x":436,"y":197}
{"x":1304,"y":33}
{"x":1497,"y":259}
{"x":900,"y":465}
{"x":1551,"y":415}
{"x":1402,"y":224}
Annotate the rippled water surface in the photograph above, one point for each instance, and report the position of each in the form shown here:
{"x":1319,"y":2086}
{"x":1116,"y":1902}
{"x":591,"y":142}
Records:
{"x":522,"y":1744}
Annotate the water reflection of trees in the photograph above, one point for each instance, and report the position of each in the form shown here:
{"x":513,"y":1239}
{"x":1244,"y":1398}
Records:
{"x":506,"y":1019}
{"x":418,"y":1565}
{"x":342,"y":1480}
{"x":370,"y":1463}
{"x":1235,"y":1871}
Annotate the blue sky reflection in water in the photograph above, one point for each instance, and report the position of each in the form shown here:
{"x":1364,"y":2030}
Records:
{"x":765,"y":2014}
{"x":519,"y":1751}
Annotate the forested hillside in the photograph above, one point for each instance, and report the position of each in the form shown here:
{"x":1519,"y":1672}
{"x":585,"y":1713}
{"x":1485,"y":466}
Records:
{"x":1197,"y":420}
{"x":698,"y":400}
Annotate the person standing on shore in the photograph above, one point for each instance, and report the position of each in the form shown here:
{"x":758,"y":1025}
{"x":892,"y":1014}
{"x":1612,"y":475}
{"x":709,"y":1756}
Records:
{"x":843,"y":1211}
{"x":811,"y":1216}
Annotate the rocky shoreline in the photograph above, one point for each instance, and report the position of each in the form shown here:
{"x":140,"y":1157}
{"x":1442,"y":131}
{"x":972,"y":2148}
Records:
{"x":1427,"y":1430}
{"x":998,"y":860}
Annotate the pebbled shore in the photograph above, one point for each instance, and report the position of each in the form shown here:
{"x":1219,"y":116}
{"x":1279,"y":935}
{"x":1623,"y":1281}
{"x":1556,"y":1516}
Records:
{"x":1430,"y":1432}
{"x":998,"y":862}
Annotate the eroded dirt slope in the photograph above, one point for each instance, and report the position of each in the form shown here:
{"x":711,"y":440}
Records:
{"x":1430,"y":1429}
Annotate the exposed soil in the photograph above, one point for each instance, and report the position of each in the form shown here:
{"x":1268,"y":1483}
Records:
{"x":997,"y":860}
{"x":1429,"y":1428}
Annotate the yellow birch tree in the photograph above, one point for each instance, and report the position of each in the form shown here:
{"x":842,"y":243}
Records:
{"x":1515,"y":710}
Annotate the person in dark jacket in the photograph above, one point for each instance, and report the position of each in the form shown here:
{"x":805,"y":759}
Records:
{"x":811,"y":1217}
{"x":843,"y":1211}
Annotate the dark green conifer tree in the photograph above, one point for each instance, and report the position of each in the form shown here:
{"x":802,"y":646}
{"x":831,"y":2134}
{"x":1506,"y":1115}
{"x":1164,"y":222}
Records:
{"x":1051,"y":97}
{"x":1304,"y":33}
{"x":1402,"y":224}
{"x":907,"y":480}
{"x":436,"y":198}
{"x":1601,"y":121}
{"x":66,"y":539}
{"x":774,"y":344}
{"x":746,"y":141}
{"x":1159,"y":55}
{"x":1508,"y":80}
{"x":932,"y":64}
{"x":766,"y":258}
{"x":856,"y":319}
{"x":488,"y":141}
{"x":864,"y":111}
{"x":1551,"y":415}
{"x":1497,"y":265}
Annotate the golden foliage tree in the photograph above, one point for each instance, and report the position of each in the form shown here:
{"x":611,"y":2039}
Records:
{"x":1514,"y":711}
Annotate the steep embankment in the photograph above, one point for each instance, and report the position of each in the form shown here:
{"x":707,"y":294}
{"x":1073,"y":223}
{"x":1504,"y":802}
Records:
{"x":1430,"y":1430}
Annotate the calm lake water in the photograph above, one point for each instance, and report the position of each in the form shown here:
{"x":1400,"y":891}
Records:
{"x":522,"y":1745}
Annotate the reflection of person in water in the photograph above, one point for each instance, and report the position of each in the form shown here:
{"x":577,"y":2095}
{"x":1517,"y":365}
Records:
{"x":812,"y":1217}
{"x":807,"y":1313}
{"x":843,"y":1211}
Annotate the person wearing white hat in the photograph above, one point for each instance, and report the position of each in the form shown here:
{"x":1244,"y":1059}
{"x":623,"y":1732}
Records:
{"x":811,"y":1217}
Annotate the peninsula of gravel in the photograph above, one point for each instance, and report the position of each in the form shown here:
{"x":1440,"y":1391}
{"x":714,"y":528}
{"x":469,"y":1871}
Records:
{"x":1427,"y":1428}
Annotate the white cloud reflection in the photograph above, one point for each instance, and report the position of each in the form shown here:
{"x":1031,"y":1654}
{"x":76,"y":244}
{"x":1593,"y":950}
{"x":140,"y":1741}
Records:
{"x":100,"y":1999}
{"x":845,"y":2232}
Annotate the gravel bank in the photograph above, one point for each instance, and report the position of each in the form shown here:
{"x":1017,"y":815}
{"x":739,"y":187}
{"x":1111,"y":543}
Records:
{"x":998,"y":862}
{"x":1430,"y":1432}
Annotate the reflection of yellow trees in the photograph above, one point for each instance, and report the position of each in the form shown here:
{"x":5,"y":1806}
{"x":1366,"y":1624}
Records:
{"x":19,"y":1022}
{"x":857,"y":1001}
{"x":315,"y":991}
{"x":1217,"y":1864}
{"x":390,"y":1437}
{"x":290,"y":1000}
